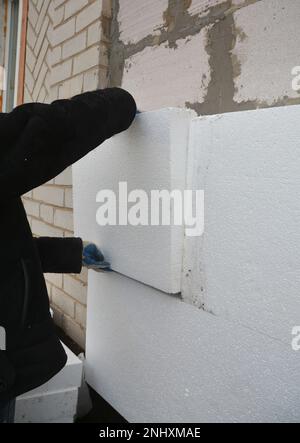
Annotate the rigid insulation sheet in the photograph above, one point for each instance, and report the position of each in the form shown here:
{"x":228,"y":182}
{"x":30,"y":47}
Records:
{"x":158,"y":359}
{"x":248,"y":164}
{"x":55,"y":401}
{"x":151,"y":155}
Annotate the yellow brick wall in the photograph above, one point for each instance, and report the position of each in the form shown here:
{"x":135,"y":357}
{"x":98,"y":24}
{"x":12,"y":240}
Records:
{"x":66,"y":54}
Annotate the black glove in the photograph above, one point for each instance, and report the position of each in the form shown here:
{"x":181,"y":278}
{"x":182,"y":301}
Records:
{"x":39,"y":141}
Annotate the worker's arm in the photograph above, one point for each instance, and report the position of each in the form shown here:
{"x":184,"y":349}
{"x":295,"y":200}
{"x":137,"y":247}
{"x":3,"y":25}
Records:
{"x":39,"y":141}
{"x":60,"y":255}
{"x":68,"y":255}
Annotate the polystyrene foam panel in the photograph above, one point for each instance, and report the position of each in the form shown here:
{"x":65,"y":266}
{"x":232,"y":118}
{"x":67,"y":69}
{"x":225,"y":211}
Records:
{"x":54,"y":401}
{"x":69,"y":377}
{"x":151,"y":155}
{"x":247,"y":264}
{"x":59,"y":406}
{"x":157,"y":359}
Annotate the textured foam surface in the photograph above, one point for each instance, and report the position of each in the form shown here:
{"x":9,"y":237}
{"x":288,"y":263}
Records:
{"x":151,"y":155}
{"x":157,"y":359}
{"x":247,"y":264}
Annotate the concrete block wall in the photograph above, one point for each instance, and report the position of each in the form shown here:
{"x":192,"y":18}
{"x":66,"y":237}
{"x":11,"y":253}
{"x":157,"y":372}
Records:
{"x":66,"y":54}
{"x":212,"y":56}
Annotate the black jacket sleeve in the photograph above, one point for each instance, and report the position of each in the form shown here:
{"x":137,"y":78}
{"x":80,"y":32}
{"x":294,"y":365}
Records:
{"x":60,"y":255}
{"x":38,"y":141}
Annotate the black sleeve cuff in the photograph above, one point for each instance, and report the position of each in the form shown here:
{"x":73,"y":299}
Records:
{"x":60,"y":255}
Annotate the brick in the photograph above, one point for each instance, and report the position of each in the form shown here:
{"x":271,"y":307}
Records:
{"x":44,"y":230}
{"x":68,"y":234}
{"x":74,"y":45}
{"x":41,"y":36}
{"x":30,"y":58}
{"x":88,"y":15}
{"x":66,"y":87}
{"x":58,"y":16}
{"x":69,"y":88}
{"x":32,"y":207}
{"x":61,"y":72}
{"x":49,"y":194}
{"x":58,"y":316}
{"x":41,"y":58}
{"x":27,"y":96}
{"x":58,"y":3}
{"x":95,"y":78}
{"x":29,"y":80}
{"x":65,"y":178}
{"x":54,"y":92}
{"x":63,"y":301}
{"x":47,"y":213}
{"x":54,"y":56}
{"x":43,"y":18}
{"x":39,"y":4}
{"x":31,"y":37}
{"x":75,"y":288}
{"x":94,"y":33}
{"x":74,"y":331}
{"x":64,"y":219}
{"x":55,"y":279}
{"x":90,"y":58}
{"x":39,"y":81}
{"x":72,"y":7}
{"x":63,"y":32}
{"x":80,"y":314}
{"x":28,"y":194}
{"x":69,"y":198}
{"x":51,"y":11}
{"x":47,"y":83}
{"x":91,"y":79}
{"x":32,"y":14}
{"x":42,"y":95}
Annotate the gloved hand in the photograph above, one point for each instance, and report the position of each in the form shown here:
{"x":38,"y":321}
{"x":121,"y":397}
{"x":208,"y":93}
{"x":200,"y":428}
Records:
{"x":92,"y":258}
